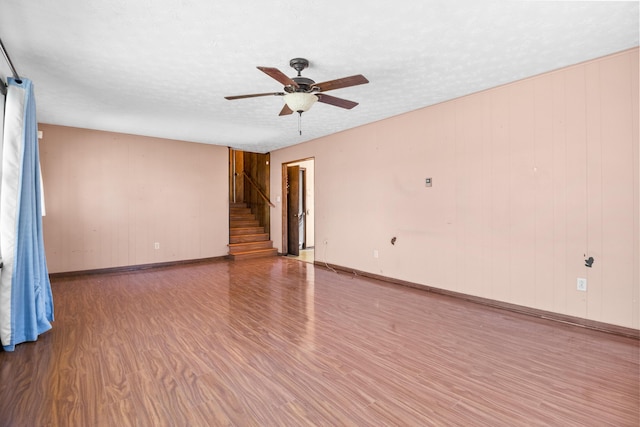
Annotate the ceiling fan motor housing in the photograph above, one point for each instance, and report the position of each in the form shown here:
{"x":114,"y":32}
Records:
{"x":304,"y":85}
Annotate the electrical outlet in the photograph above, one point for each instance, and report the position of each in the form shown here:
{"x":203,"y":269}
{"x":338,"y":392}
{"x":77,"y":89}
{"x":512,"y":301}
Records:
{"x":156,"y":245}
{"x":375,"y":253}
{"x":581,"y":284}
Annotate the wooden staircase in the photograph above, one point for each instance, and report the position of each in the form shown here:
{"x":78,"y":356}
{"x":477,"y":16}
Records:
{"x":247,"y":238}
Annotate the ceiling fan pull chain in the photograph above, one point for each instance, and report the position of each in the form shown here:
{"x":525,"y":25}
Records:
{"x":300,"y":122}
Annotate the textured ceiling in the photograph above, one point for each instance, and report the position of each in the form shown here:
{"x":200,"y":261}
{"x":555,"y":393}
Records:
{"x":162,"y":67}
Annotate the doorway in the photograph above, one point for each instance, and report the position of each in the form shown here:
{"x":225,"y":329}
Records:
{"x":298,"y":209}
{"x":249,"y":183}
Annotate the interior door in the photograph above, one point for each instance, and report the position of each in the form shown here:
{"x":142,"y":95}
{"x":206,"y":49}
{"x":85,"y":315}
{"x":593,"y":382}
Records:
{"x":293,"y":210}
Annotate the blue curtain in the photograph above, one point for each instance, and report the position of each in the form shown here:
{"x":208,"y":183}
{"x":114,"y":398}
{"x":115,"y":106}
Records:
{"x":26,"y":303}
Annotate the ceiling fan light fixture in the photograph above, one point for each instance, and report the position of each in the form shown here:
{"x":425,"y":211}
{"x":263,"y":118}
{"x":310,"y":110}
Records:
{"x":300,"y":101}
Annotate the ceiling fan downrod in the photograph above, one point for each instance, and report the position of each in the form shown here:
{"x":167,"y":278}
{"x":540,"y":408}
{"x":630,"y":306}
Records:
{"x":299,"y":64}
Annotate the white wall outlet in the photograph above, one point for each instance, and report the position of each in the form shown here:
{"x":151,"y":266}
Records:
{"x":581,"y":284}
{"x":156,"y":245}
{"x":375,"y":253}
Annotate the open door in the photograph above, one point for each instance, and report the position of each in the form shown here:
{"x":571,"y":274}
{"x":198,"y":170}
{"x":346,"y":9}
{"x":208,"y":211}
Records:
{"x":298,"y":204}
{"x":293,"y":210}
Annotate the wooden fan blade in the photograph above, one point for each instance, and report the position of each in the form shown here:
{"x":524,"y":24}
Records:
{"x":253,"y":95}
{"x":338,"y":102}
{"x":285,"y":110}
{"x":358,"y":79}
{"x":278,"y":75}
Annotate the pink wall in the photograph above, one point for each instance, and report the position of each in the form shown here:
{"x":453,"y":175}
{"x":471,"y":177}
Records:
{"x":528,"y":180}
{"x":110,"y":197}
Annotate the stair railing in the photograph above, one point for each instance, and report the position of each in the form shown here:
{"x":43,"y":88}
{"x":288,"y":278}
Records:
{"x":258,"y":190}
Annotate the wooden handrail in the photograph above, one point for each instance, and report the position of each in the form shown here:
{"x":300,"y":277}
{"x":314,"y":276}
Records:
{"x":266,"y":199}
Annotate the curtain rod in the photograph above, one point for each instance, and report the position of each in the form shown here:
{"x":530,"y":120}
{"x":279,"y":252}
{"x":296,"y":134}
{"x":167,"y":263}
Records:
{"x":3,"y":85}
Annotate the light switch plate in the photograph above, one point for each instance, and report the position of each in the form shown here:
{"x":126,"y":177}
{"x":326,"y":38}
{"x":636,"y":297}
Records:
{"x":581,"y":284}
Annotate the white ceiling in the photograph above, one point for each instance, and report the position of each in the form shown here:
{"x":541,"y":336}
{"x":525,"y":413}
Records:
{"x":162,"y":67}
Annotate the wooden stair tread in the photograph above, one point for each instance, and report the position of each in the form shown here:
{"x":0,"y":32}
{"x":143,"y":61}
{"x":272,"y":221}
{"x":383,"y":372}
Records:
{"x":235,"y":248}
{"x":236,"y":231}
{"x":236,"y":217}
{"x":239,"y":223}
{"x":247,"y":239}
{"x":257,"y":253}
{"x":243,"y":238}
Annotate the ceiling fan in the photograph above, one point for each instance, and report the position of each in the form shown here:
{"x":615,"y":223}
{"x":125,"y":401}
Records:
{"x":300,"y":93}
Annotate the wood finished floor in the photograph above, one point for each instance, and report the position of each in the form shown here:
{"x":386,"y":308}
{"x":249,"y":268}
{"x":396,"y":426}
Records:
{"x":278,"y":342}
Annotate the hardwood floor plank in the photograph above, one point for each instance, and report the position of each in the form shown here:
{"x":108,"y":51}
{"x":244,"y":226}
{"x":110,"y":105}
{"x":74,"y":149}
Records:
{"x":278,"y":342}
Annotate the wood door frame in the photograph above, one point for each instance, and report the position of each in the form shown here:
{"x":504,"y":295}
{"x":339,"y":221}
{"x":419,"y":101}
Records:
{"x":257,"y":167}
{"x":303,"y":205}
{"x":285,"y":206}
{"x":293,"y":217}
